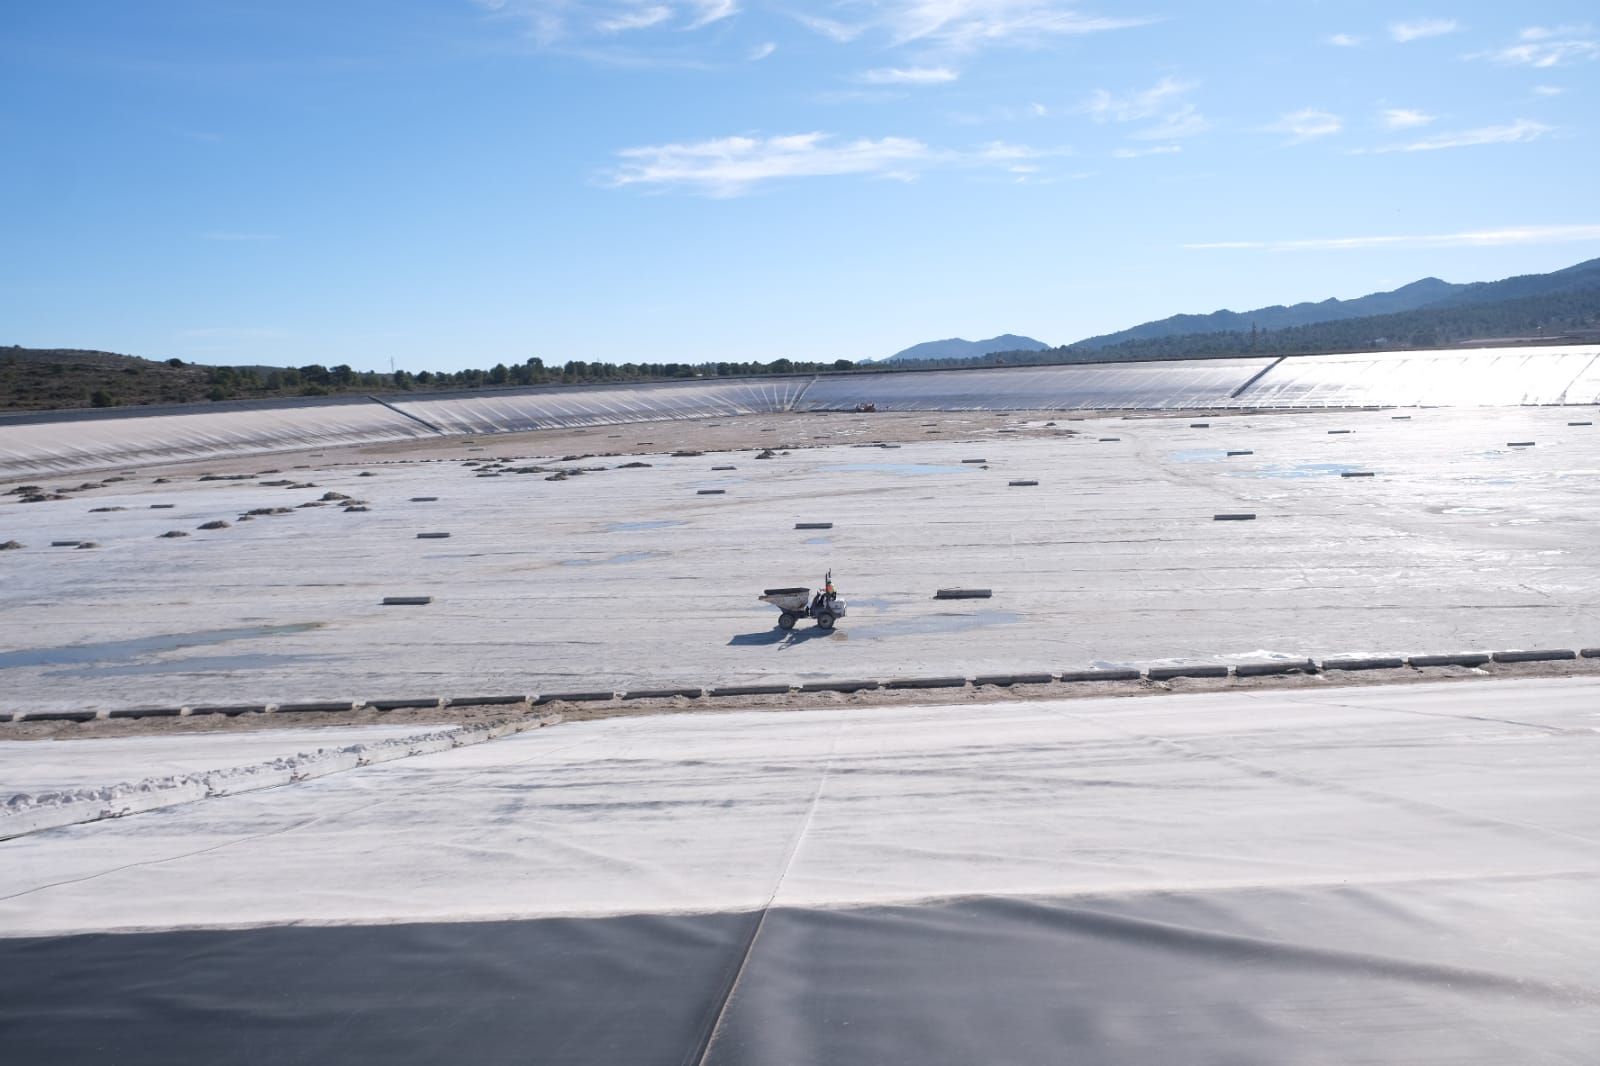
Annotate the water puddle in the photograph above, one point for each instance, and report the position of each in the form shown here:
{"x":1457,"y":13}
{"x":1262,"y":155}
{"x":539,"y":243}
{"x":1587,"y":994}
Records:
{"x":1198,"y":455}
{"x":215,"y":664}
{"x":1298,"y":470}
{"x":123,"y":650}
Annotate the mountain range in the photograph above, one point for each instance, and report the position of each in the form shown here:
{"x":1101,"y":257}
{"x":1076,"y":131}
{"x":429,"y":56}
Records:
{"x":956,"y":348}
{"x":1428,"y":294}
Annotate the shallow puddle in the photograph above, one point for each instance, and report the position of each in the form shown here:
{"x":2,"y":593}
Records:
{"x":121,"y":650}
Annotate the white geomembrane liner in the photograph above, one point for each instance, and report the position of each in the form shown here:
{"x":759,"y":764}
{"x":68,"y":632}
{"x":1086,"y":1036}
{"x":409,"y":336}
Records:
{"x":1491,"y":377}
{"x":32,"y":767}
{"x":1099,"y":798}
{"x":550,"y":408}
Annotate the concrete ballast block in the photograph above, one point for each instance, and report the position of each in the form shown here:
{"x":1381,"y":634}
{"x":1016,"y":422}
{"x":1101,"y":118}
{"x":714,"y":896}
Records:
{"x":575,"y":697}
{"x":1167,"y":673}
{"x":432,"y":536}
{"x":963,"y":594}
{"x":1233,"y":518}
{"x":404,"y":702}
{"x":1112,"y":673}
{"x":813,"y":525}
{"x":1535,"y":656}
{"x":1471,"y":658}
{"x":1007,"y":680}
{"x":711,"y":492}
{"x":1393,"y":662}
{"x":145,"y":712}
{"x":1275,"y":667}
{"x":1024,"y":483}
{"x":927,"y":682}
{"x":662,"y":693}
{"x":406,"y":601}
{"x":319,"y":707}
{"x":750,"y":690}
{"x":839,"y":686}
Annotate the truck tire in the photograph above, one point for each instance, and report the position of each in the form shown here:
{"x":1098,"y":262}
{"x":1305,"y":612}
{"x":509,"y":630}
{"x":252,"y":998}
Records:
{"x":786,"y":620}
{"x":825,"y":620}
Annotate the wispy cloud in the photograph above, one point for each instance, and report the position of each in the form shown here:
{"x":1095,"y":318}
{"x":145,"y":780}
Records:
{"x":705,"y":12}
{"x":637,"y":19}
{"x":732,"y":166}
{"x":1491,"y":238}
{"x":834,"y":30}
{"x":762,"y":51}
{"x":1165,"y":105}
{"x":1517,"y":132}
{"x":1344,"y":40}
{"x":562,"y":22}
{"x":1402,"y":118}
{"x":909,"y":76}
{"x":1543,"y":47}
{"x":1307,"y":124}
{"x":1140,"y":153}
{"x":962,"y":25}
{"x":1421,"y":29}
{"x":1548,"y":90}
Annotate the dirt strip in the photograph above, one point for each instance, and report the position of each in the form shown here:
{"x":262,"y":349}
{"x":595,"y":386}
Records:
{"x":794,"y":701}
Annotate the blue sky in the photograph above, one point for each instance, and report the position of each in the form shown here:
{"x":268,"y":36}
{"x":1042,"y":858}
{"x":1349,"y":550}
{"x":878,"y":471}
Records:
{"x":451,"y":183}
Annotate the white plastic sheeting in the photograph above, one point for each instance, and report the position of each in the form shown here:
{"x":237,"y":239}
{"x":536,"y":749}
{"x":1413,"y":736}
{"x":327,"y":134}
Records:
{"x":548,"y":408}
{"x":65,"y":765}
{"x":1105,"y":386}
{"x":1493,"y":377}
{"x":1466,"y":378}
{"x":628,"y":578}
{"x":1400,"y":874}
{"x":35,"y":447}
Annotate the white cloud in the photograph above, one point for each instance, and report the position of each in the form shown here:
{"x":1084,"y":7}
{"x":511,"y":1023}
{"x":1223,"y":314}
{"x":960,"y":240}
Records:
{"x":562,"y":22}
{"x":637,"y":19}
{"x":1548,"y":90}
{"x":1544,"y":47}
{"x":1307,"y":124}
{"x":1140,"y":153}
{"x":709,"y":11}
{"x":967,"y":24}
{"x":1516,"y":132}
{"x":1344,"y":40}
{"x":1419,"y":29}
{"x":762,"y":51}
{"x":841,"y":32}
{"x":1494,"y":238}
{"x":909,"y":76}
{"x":1106,"y":106}
{"x":732,"y":166}
{"x":1401,"y":118}
{"x":1174,"y":117}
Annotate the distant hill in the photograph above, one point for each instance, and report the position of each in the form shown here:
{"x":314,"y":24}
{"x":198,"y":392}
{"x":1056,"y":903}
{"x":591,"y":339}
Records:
{"x":956,"y":348}
{"x":1429,"y":292}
